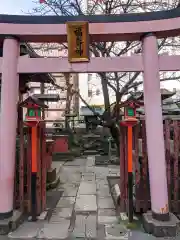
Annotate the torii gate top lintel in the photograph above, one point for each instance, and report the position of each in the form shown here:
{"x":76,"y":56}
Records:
{"x":121,"y":27}
{"x":130,"y":17}
{"x":125,"y":27}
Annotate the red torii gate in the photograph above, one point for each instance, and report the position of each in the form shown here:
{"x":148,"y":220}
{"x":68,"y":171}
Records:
{"x":146,"y":27}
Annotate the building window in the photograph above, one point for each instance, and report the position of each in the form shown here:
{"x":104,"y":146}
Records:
{"x":89,"y":81}
{"x":89,"y":93}
{"x":97,"y":92}
{"x":89,"y":77}
{"x":51,"y":91}
{"x":35,"y":90}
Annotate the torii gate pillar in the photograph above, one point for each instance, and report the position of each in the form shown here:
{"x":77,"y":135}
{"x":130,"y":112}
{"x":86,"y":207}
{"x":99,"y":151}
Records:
{"x":154,"y":129}
{"x":8,"y":124}
{"x":155,"y":141}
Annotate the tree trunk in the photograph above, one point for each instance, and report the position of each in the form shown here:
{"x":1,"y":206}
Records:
{"x":105,"y":94}
{"x":42,"y":92}
{"x":118,"y":98}
{"x":68,"y":99}
{"x":75,"y":96}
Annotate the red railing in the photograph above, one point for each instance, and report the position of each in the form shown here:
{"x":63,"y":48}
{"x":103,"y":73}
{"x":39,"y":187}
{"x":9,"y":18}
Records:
{"x":140,"y":166}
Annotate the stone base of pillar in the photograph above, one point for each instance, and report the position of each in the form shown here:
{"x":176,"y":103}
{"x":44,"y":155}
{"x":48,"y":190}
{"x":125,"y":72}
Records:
{"x":10,"y":224}
{"x":160,"y":228}
{"x":116,"y":194}
{"x":51,"y":175}
{"x":6,"y":215}
{"x":53,"y":179}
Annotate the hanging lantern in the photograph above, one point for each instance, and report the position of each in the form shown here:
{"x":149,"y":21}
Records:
{"x":34,"y":111}
{"x":130,"y":118}
{"x":130,"y":111}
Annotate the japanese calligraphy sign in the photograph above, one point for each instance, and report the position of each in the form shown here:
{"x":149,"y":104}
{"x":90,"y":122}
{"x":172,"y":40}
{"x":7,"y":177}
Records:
{"x":78,"y":41}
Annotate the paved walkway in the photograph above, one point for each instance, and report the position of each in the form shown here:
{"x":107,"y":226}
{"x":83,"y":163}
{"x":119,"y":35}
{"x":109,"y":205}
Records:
{"x":86,"y":210}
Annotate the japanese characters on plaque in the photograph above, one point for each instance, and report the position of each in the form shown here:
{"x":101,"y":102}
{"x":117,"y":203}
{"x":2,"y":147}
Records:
{"x":78,"y":41}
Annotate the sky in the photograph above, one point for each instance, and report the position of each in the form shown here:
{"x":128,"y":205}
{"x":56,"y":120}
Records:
{"x":19,"y":7}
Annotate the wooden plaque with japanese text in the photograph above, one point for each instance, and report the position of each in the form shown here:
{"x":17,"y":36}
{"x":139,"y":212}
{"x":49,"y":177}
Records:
{"x":78,"y":41}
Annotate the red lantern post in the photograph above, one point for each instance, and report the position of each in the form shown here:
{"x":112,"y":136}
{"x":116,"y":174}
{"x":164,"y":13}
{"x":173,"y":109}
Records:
{"x":129,"y":121}
{"x":32,"y":119}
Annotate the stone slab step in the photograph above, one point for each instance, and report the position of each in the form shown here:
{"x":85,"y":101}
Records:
{"x":90,"y":152}
{"x":12,"y":223}
{"x":53,"y":184}
{"x":62,"y":157}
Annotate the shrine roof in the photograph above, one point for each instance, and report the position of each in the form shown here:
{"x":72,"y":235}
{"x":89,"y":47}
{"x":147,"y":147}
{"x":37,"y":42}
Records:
{"x":34,"y":100}
{"x":26,"y":49}
{"x":47,"y":97}
{"x":139,"y":95}
{"x":71,"y":115}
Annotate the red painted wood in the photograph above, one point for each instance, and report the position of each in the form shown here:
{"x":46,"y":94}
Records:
{"x":137,"y":166}
{"x":49,"y":152}
{"x":39,"y":169}
{"x":141,"y":167}
{"x":21,"y":168}
{"x":22,"y":194}
{"x":145,"y":183}
{"x":43,"y":165}
{"x":28,"y":171}
{"x":61,"y":144}
{"x":122,"y":170}
{"x":176,"y":165}
{"x":168,"y":157}
{"x":125,"y":167}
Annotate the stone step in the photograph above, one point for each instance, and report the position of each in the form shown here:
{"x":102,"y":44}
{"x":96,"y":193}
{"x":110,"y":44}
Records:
{"x":86,"y":203}
{"x":62,"y":156}
{"x":53,"y":184}
{"x":90,"y":152}
{"x":12,"y":223}
{"x":51,"y":175}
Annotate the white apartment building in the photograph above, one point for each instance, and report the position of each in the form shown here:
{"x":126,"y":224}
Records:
{"x":90,"y":84}
{"x":56,"y":110}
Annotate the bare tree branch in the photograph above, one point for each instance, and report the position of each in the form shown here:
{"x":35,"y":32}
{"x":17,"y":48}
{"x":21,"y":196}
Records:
{"x":122,"y":82}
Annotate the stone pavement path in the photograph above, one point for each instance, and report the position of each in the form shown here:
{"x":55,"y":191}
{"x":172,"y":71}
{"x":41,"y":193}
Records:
{"x":85,"y":209}
{"x":86,"y":205}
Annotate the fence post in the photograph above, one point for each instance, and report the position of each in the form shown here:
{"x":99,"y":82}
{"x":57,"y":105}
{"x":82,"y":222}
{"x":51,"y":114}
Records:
{"x":122,"y":170}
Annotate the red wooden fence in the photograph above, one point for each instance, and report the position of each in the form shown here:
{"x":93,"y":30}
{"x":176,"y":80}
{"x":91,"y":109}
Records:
{"x":140,"y":166}
{"x":22,"y":190}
